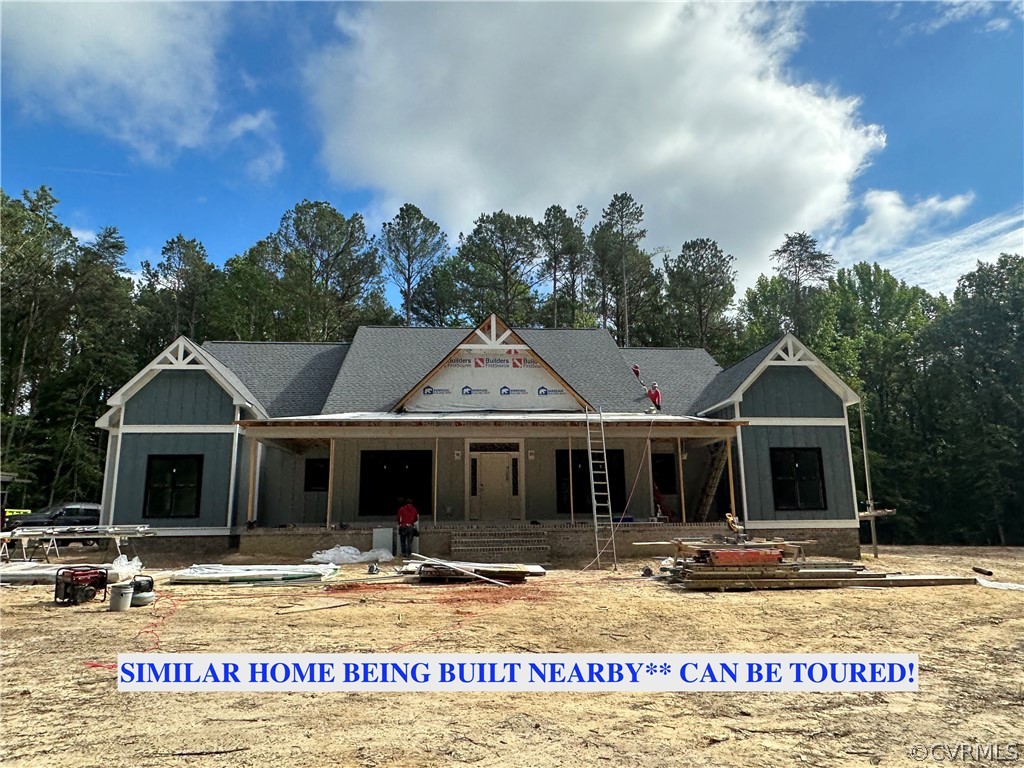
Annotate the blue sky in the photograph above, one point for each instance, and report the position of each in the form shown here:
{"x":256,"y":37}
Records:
{"x":893,"y":132}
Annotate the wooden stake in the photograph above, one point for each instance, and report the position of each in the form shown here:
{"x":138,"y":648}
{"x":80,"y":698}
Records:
{"x":315,"y":608}
{"x":436,"y":443}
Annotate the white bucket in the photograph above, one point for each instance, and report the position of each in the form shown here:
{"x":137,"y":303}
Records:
{"x":121,"y":596}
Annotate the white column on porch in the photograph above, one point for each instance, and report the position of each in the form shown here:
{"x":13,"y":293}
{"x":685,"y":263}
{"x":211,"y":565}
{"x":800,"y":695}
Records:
{"x":330,"y":483}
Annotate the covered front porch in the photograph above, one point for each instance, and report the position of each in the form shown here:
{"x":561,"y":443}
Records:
{"x":483,"y":469}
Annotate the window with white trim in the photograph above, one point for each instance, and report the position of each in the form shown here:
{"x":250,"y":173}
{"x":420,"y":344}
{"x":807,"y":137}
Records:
{"x":798,"y":479}
{"x":173,"y":486}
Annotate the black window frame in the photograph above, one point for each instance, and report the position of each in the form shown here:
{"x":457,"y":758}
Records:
{"x":794,"y":486}
{"x":147,"y":512}
{"x":665,"y":466}
{"x":616,"y":458}
{"x":380,"y":493}
{"x":316,"y":469}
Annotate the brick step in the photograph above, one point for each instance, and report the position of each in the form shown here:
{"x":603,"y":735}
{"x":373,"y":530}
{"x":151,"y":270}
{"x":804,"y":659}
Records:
{"x":459,"y":553}
{"x":525,"y":555}
{"x":497,"y":541}
{"x":487,"y":532}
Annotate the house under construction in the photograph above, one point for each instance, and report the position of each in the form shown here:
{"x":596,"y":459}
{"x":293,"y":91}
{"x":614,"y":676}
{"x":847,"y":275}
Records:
{"x":506,"y":440}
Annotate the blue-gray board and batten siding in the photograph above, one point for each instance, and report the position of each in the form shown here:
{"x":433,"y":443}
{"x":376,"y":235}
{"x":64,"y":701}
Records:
{"x":176,"y":398}
{"x":131,"y":482}
{"x":835,"y":459}
{"x":792,"y":391}
{"x":180,"y":397}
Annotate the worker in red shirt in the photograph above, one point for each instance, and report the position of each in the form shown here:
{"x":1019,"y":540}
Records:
{"x":655,"y":395}
{"x":407,"y":519}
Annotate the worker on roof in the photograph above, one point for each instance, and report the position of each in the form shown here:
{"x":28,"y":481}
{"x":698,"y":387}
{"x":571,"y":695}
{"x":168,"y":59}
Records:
{"x":655,"y":395}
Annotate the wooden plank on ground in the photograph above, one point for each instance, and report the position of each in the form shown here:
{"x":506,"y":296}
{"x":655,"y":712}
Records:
{"x":888,"y":581}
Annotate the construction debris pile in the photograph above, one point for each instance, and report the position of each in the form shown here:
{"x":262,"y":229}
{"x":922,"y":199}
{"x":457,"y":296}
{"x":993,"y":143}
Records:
{"x":748,"y":565}
{"x":444,"y":571}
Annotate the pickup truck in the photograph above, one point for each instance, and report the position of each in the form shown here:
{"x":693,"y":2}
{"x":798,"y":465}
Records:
{"x":66,"y":514}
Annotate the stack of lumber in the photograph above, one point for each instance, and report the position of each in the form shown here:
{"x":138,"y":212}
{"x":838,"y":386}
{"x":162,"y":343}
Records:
{"x":434,"y":570}
{"x":690,"y":547}
{"x":707,"y":576}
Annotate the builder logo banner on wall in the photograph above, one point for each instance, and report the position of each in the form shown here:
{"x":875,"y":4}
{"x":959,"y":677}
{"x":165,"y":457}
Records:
{"x":512,"y":380}
{"x":435,"y":391}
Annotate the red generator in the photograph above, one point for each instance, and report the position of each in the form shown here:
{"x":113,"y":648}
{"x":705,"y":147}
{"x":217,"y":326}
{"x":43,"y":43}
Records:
{"x":78,"y":584}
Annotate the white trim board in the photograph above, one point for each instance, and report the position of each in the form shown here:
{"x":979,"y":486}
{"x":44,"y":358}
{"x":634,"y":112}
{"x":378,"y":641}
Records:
{"x":197,"y":531}
{"x":177,"y":429}
{"x":743,"y":468}
{"x":755,"y":525}
{"x":795,"y":421}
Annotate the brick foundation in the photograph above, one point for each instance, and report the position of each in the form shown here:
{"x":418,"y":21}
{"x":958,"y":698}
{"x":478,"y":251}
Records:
{"x":571,"y":546}
{"x":828,"y":542}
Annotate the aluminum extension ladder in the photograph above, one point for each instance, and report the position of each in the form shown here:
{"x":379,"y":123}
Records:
{"x":600,"y":489}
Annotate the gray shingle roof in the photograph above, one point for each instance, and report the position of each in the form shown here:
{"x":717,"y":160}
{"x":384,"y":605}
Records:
{"x":681,"y":374}
{"x":590,"y":363}
{"x":289,"y":378}
{"x":725,"y":383}
{"x":384,"y":363}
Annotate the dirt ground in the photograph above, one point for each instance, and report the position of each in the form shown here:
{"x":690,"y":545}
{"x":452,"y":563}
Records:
{"x":61,"y":707}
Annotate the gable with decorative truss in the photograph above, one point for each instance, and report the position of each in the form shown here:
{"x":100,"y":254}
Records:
{"x":182,"y":355}
{"x":492,"y":370}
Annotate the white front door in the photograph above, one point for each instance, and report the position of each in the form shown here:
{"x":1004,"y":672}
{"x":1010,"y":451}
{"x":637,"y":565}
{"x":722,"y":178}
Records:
{"x":491,"y":497}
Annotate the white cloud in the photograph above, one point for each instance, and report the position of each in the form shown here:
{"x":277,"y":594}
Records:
{"x":941,"y":259}
{"x":959,"y":11}
{"x":890,"y":224}
{"x":267,"y":157}
{"x":465,"y":108}
{"x":143,"y":74}
{"x":83,"y":235}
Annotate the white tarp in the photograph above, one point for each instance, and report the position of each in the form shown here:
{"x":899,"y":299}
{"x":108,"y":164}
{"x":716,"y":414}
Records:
{"x":492,"y":380}
{"x":341,"y":555}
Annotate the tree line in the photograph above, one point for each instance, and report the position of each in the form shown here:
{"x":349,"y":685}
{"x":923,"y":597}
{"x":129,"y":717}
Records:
{"x":942,"y":378}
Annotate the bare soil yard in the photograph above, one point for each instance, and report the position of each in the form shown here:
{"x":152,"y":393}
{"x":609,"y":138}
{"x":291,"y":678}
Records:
{"x":60,"y":709}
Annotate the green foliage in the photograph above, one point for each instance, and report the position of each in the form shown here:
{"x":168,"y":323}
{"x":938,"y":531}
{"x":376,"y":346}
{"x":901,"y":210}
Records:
{"x":803,"y":268}
{"x":67,"y":314}
{"x":327,"y":261}
{"x":699,"y":290}
{"x":176,"y":297}
{"x":502,"y":261}
{"x":247,"y":302}
{"x":562,"y":245}
{"x":440,"y":302}
{"x":411,"y":245}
